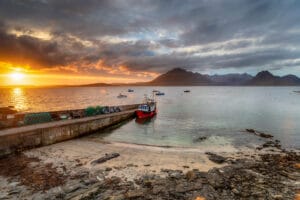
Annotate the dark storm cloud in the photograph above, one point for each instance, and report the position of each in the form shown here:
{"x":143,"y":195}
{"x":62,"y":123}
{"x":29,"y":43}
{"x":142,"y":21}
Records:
{"x":29,"y":50}
{"x":153,"y":35}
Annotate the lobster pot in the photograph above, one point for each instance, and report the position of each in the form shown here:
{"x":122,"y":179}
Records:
{"x":36,"y":118}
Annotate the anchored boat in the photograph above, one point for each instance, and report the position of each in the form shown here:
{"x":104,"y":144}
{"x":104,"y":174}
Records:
{"x":159,"y":93}
{"x":122,"y":96}
{"x":146,"y":109}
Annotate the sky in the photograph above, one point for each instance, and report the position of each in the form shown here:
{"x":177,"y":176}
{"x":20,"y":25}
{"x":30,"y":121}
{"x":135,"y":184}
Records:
{"x":52,"y":42}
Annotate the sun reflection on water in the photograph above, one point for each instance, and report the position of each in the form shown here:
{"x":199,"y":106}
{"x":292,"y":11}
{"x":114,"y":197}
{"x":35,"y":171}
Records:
{"x":19,"y":100}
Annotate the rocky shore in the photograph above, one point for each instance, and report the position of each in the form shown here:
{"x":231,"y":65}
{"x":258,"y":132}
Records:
{"x":137,"y":172}
{"x":270,"y":176}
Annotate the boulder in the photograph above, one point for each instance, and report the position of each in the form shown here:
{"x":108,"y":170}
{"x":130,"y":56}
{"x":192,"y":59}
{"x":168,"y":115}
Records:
{"x":216,"y":158}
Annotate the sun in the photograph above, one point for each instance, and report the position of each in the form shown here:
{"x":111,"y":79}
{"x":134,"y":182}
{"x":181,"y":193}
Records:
{"x":17,"y":76}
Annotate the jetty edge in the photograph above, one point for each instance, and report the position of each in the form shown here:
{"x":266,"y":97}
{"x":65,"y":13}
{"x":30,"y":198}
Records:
{"x":17,"y":139}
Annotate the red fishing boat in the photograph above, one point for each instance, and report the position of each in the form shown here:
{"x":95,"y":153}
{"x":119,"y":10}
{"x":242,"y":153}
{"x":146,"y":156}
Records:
{"x":146,"y":109}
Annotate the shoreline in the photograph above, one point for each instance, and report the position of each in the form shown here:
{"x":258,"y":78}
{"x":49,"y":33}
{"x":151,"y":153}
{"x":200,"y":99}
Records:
{"x":128,"y":176}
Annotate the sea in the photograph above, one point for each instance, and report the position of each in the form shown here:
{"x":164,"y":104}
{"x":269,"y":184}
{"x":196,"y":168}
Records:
{"x":206,"y":116}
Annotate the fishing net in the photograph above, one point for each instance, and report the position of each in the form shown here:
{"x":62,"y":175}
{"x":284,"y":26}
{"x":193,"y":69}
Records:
{"x":36,"y":118}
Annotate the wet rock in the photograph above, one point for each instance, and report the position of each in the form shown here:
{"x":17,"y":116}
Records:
{"x":215,"y":158}
{"x":259,"y":148}
{"x":271,"y":144}
{"x":134,"y":194}
{"x":165,"y":170}
{"x":89,"y":181}
{"x":108,"y":169}
{"x":4,"y":196}
{"x":200,"y":139}
{"x":250,"y":130}
{"x":277,"y":196}
{"x":105,"y":158}
{"x":215,"y":178}
{"x":113,"y":180}
{"x":132,"y":165}
{"x":72,"y":188}
{"x":118,"y":167}
{"x":264,"y":135}
{"x":235,"y":191}
{"x":174,"y":173}
{"x":258,"y":133}
{"x":14,"y":191}
{"x":13,"y":184}
{"x":116,"y":197}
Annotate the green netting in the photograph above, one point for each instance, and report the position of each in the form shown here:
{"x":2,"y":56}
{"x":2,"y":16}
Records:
{"x":36,"y":118}
{"x":90,"y":111}
{"x":99,"y":110}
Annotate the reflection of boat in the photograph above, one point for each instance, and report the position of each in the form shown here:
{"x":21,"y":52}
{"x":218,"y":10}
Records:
{"x":186,"y":91}
{"x":159,"y":93}
{"x":144,"y":120}
{"x":130,"y":90}
{"x":146,"y":109}
{"x":122,"y":96}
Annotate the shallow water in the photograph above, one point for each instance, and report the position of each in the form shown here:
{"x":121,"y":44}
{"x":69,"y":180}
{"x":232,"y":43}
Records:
{"x":219,"y":113}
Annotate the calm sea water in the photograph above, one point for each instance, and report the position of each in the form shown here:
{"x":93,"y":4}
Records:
{"x":219,"y":113}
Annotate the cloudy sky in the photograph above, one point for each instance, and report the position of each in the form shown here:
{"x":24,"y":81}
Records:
{"x":81,"y":41}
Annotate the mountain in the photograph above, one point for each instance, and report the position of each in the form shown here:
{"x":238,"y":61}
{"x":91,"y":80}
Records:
{"x":231,"y":79}
{"x":180,"y":76}
{"x":291,"y":80}
{"x":265,"y":78}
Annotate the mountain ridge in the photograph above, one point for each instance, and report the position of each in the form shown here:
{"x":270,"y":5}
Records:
{"x":179,"y":76}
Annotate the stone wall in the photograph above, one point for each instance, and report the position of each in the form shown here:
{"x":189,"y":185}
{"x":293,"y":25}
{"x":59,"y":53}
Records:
{"x":18,"y":139}
{"x":18,"y":119}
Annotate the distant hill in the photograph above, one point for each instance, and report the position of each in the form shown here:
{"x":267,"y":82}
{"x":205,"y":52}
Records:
{"x":231,"y":79}
{"x":180,"y":76}
{"x":265,"y":78}
{"x":96,"y":85}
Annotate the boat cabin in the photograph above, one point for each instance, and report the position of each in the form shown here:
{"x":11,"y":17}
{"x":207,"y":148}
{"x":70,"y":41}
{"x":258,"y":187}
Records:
{"x":147,"y":107}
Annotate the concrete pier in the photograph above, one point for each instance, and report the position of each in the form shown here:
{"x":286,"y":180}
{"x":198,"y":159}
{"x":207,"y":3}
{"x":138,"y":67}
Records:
{"x":17,"y":139}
